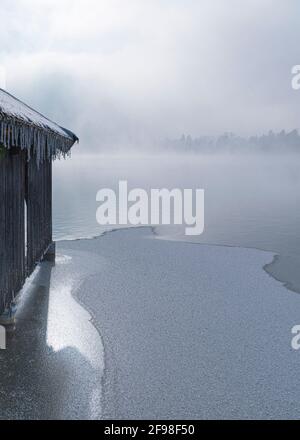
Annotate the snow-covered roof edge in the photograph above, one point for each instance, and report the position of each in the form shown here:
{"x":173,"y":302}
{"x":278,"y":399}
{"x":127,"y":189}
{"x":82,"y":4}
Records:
{"x":23,"y":127}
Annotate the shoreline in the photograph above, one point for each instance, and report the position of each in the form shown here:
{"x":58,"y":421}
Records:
{"x":269,"y":268}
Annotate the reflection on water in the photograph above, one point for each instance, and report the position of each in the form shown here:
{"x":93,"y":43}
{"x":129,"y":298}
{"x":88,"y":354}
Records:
{"x":251,"y":201}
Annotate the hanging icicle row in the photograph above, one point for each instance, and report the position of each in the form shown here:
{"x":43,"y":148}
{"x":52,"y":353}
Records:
{"x":42,"y":143}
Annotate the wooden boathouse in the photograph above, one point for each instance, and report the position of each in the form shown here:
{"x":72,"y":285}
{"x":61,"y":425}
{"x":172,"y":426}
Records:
{"x":28,"y":144}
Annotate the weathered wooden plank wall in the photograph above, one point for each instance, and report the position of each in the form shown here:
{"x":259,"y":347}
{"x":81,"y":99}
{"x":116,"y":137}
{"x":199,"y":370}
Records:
{"x":19,"y":181}
{"x":12,"y":228}
{"x":39,"y":211}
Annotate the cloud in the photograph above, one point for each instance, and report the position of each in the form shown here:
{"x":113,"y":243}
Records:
{"x":119,"y":70}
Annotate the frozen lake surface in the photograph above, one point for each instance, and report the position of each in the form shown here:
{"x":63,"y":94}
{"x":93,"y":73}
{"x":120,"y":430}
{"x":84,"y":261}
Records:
{"x":185,"y":335}
{"x":180,"y":330}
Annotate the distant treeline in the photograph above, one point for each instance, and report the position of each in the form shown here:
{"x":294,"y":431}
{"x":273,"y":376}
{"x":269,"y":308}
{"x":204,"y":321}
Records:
{"x":229,"y":142}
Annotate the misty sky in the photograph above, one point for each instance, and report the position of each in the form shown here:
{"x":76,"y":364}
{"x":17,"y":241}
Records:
{"x":120,"y":71}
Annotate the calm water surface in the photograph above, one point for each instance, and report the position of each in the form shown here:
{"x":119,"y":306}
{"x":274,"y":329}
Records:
{"x":250,"y":201}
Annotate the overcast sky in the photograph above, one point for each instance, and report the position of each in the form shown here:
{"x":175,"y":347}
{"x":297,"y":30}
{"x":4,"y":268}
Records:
{"x":120,"y":70}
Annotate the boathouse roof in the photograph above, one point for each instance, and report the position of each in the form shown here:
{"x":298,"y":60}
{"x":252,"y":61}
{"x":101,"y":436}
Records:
{"x":27,"y":129}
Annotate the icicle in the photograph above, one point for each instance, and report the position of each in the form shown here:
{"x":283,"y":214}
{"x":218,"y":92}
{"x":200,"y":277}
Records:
{"x":43,"y":143}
